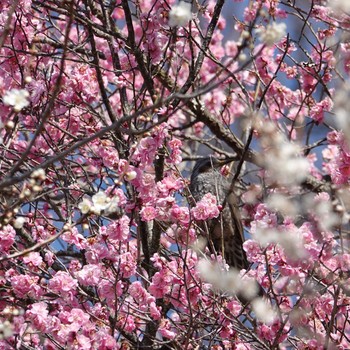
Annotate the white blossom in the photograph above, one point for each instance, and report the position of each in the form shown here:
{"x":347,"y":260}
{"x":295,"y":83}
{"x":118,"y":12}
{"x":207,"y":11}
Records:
{"x":199,"y":245}
{"x":341,"y":110}
{"x":38,"y":174}
{"x":16,"y":98}
{"x":100,"y":202}
{"x":9,"y":125}
{"x":85,"y":206}
{"x":248,"y":288}
{"x":112,"y":206}
{"x":230,"y":281}
{"x":180,"y":14}
{"x":322,"y":210}
{"x":263,"y":311}
{"x":130,"y":175}
{"x":6,"y":329}
{"x":273,"y":33}
{"x":283,"y":204}
{"x":283,"y":160}
{"x":291,"y":241}
{"x":19,"y":222}
{"x":286,"y":166}
{"x":266,"y":236}
{"x":340,"y":5}
{"x":218,"y":277}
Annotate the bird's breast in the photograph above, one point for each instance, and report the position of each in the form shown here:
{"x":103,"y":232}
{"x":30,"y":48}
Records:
{"x":205,"y":183}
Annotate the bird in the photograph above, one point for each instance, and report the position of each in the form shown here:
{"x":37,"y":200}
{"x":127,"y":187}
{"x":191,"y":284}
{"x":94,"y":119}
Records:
{"x":224,"y":233}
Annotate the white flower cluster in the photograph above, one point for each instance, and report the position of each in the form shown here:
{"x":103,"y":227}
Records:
{"x":16,"y":98}
{"x":180,"y":14}
{"x":283,"y":204}
{"x":6,"y":329}
{"x":263,"y":310}
{"x":282,"y":159}
{"x":340,"y":5}
{"x":100,"y":203}
{"x":321,"y":207}
{"x":19,"y":222}
{"x":291,"y":242}
{"x":341,"y":110}
{"x":228,"y":281}
{"x":273,"y":33}
{"x":231,"y":282}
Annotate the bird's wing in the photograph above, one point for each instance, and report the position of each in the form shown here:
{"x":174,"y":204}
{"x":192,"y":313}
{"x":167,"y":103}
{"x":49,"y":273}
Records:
{"x":238,"y":235}
{"x":227,"y":234}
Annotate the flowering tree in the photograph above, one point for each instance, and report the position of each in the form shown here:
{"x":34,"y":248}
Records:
{"x":104,"y":107}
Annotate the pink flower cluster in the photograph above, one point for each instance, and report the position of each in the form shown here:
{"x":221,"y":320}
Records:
{"x":337,"y":158}
{"x":102,"y":110}
{"x":206,"y":208}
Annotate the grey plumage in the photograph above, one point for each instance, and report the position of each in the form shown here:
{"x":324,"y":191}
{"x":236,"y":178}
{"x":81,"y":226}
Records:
{"x":226,"y":231}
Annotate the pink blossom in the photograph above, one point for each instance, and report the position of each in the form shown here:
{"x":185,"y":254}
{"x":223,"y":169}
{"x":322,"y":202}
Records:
{"x":110,"y":290}
{"x":74,"y":266}
{"x":180,"y":214}
{"x":313,"y":344}
{"x":231,"y":48}
{"x":146,"y":150}
{"x":317,"y":111}
{"x":344,"y":262}
{"x":253,"y":250}
{"x":26,"y":285}
{"x":345,"y":49}
{"x":263,"y":218}
{"x":127,"y":323}
{"x":89,"y":275}
{"x":158,"y":261}
{"x":83,"y":342}
{"x":72,"y":236}
{"x":105,"y":340}
{"x":62,"y":282}
{"x":7,"y":237}
{"x":291,"y":72}
{"x":33,"y":259}
{"x":165,"y":329}
{"x":148,"y":213}
{"x":146,"y":186}
{"x":127,"y":264}
{"x":175,"y":148}
{"x":97,"y":252}
{"x":270,"y":332}
{"x":76,"y":317}
{"x":169,"y":184}
{"x":119,"y":229}
{"x":206,"y":208}
{"x":38,"y":315}
{"x":109,"y":155}
{"x":155,"y":311}
{"x":49,"y":258}
{"x":139,"y":293}
{"x":161,"y":284}
{"x":164,"y":206}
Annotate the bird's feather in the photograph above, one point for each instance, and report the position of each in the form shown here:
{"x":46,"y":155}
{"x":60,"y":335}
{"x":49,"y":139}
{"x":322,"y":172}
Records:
{"x":226,"y":231}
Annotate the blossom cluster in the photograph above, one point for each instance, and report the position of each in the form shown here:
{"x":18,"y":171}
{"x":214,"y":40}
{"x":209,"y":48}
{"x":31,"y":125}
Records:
{"x":105,"y":106}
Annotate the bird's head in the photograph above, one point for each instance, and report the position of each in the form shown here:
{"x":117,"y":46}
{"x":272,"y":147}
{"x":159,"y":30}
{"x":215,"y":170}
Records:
{"x":208,"y":164}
